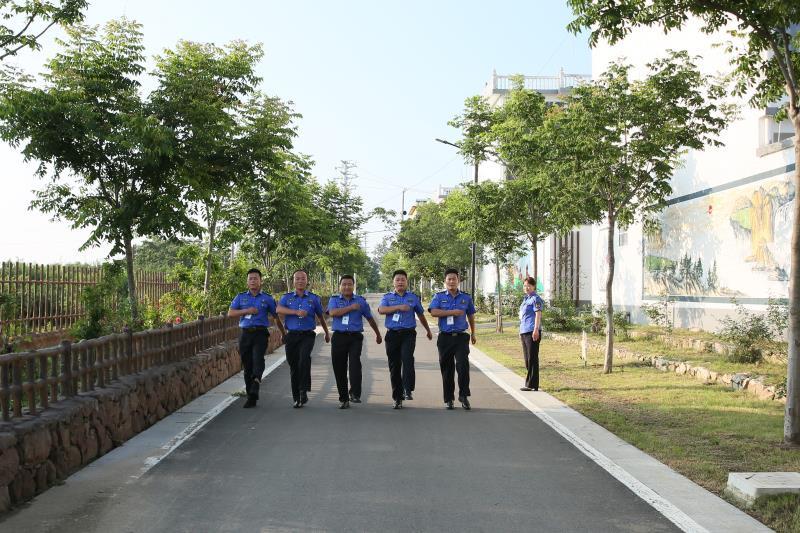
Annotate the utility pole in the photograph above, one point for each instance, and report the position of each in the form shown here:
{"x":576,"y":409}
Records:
{"x":346,"y":174}
{"x":403,"y":205}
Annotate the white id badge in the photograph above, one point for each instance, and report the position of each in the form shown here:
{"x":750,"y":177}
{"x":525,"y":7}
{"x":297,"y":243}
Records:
{"x":345,"y":320}
{"x":248,"y":317}
{"x":450,"y":320}
{"x":396,"y":317}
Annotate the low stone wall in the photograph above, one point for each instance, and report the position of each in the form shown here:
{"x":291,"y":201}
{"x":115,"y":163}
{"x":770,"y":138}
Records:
{"x":37,"y":452}
{"x":746,"y":382}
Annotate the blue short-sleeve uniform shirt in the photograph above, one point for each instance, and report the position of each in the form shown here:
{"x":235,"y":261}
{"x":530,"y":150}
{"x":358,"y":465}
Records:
{"x":261,"y":301}
{"x":402,"y":319}
{"x":352,"y":321}
{"x":447,"y":302}
{"x":309,"y":302}
{"x":531,"y":305}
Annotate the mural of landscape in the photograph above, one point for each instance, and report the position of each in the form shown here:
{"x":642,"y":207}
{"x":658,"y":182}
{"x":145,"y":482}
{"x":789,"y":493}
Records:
{"x":730,"y":243}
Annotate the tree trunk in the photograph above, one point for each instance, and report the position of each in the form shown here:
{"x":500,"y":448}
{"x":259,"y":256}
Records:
{"x":608,"y":365}
{"x":499,"y":308}
{"x":131,"y":279}
{"x":791,"y":424}
{"x":211,"y":217}
{"x":536,"y":261}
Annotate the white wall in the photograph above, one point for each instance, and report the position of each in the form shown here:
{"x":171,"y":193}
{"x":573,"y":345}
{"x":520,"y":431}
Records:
{"x":713,"y":167}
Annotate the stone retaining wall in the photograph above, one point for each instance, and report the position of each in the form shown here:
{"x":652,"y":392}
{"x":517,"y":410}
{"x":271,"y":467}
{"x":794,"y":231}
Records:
{"x":746,"y":382}
{"x":36,"y":452}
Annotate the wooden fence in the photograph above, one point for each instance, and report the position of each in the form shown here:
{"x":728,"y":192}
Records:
{"x":31,"y":381}
{"x":48,"y":297}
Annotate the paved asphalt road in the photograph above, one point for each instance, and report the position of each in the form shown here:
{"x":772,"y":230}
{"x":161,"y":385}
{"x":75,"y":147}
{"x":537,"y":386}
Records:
{"x":371,"y":468}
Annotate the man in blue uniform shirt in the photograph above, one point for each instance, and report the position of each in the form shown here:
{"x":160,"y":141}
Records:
{"x":400,"y":306}
{"x":347,"y":310}
{"x":252,"y":308}
{"x":454,"y":309}
{"x":300,"y":309}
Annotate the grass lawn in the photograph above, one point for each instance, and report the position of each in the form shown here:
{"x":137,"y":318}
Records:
{"x":773,"y":373}
{"x":701,"y":431}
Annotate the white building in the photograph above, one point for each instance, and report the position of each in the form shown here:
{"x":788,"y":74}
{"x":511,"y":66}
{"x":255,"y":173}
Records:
{"x":563,"y":262}
{"x":727,"y":228}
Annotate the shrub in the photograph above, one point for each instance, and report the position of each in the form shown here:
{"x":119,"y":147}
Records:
{"x":621,"y":324}
{"x":746,"y":333}
{"x":660,"y":314}
{"x":107,"y":304}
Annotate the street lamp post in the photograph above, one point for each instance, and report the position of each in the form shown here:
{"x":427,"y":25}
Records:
{"x":474,"y":246}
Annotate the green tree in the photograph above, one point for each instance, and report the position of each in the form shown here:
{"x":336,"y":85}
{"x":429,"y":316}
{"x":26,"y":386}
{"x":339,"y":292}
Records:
{"x":429,"y":245}
{"x":89,"y":120}
{"x":159,"y":255}
{"x":479,"y":213}
{"x":516,"y":135}
{"x":25,"y":22}
{"x":276,"y":215}
{"x":621,"y":140}
{"x":201,"y":96}
{"x":766,"y":67}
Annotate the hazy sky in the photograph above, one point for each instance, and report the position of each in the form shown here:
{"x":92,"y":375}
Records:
{"x":375,"y":83}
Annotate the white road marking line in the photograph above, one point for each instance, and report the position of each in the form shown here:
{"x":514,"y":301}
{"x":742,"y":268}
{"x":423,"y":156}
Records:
{"x":670,"y":511}
{"x":194,"y":427}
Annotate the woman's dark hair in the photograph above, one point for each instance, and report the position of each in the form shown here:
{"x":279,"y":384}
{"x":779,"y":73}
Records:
{"x":531,"y":281}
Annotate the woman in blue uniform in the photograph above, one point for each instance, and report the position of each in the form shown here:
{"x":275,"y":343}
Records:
{"x":530,"y":332}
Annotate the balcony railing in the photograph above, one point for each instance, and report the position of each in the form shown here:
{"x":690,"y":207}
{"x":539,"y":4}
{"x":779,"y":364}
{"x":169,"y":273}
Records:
{"x":541,"y":83}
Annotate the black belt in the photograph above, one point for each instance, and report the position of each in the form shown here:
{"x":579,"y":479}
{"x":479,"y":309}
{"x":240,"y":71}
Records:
{"x":302,"y":331}
{"x":255,"y":328}
{"x":349,"y":332}
{"x":403,"y":330}
{"x":453,"y":333}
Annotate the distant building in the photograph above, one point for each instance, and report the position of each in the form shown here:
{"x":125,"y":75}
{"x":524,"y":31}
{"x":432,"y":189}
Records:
{"x":563,"y":262}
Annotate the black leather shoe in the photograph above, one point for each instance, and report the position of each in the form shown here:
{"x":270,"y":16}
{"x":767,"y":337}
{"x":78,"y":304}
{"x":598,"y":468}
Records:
{"x":297,"y":404}
{"x":408,"y":395}
{"x":251,"y":402}
{"x":525,"y":388}
{"x":303,"y":398}
{"x":465,"y":403}
{"x":398,"y":404}
{"x":355,"y":399}
{"x":344,"y":405}
{"x":449,"y":404}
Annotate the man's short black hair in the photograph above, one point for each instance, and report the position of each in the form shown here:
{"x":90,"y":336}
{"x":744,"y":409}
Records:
{"x":400,"y":272}
{"x":452,"y":271}
{"x":347,"y":276}
{"x":255,"y":271}
{"x":303,"y":270}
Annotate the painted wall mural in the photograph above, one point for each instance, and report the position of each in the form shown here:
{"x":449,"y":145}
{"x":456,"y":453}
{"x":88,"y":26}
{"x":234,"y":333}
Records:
{"x":730,"y":241}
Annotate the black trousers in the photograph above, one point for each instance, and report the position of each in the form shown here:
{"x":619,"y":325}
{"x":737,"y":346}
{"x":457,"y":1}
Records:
{"x":346,"y":348}
{"x":530,"y":349}
{"x":454,"y":356}
{"x":298,"y":354}
{"x":400,"y":346}
{"x":252,"y":348}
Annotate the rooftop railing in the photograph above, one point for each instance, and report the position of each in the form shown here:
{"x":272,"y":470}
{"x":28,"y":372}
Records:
{"x":541,"y":83}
